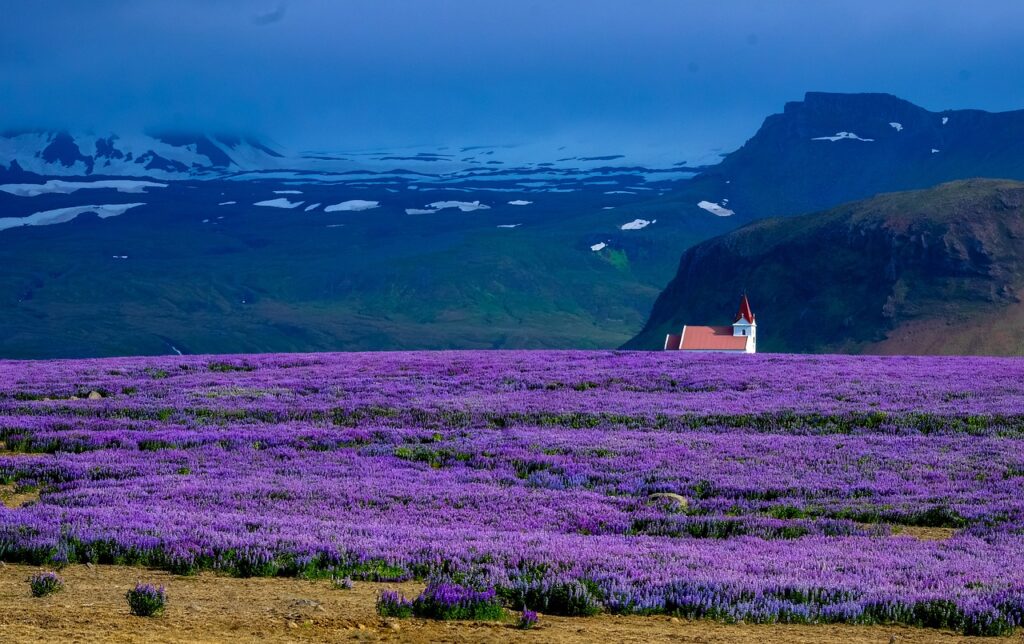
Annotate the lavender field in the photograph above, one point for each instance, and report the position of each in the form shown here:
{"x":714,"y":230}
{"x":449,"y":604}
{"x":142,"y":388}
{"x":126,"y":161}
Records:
{"x":757,"y":488}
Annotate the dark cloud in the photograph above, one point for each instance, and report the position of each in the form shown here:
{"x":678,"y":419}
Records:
{"x":359,"y":73}
{"x":269,"y":17}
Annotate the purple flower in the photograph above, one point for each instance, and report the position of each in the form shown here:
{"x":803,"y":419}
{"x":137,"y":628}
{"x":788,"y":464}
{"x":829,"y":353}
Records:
{"x":392,"y":603}
{"x":341,"y":583}
{"x":540,"y":479}
{"x":45,"y":583}
{"x":444,"y":599}
{"x":146,"y":600}
{"x":527,"y":619}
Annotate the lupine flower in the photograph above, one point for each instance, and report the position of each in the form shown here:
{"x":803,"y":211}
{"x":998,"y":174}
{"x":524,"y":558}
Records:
{"x":527,"y":619}
{"x":536,"y":475}
{"x":341,"y":583}
{"x":445,"y":599}
{"x":392,"y":603}
{"x":45,"y":583}
{"x":146,"y":600}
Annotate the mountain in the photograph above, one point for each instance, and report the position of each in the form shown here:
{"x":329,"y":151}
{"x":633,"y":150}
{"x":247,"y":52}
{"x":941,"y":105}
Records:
{"x":183,"y":156}
{"x":833,"y":148}
{"x":150,"y":243}
{"x":162,"y":155}
{"x":930,"y":271}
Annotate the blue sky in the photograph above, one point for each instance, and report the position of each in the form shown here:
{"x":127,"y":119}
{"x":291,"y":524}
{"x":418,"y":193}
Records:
{"x":342,"y":74}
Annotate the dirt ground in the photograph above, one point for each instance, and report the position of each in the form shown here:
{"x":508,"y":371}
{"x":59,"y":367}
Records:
{"x":925,"y":534}
{"x":13,"y":499}
{"x":212,"y":608}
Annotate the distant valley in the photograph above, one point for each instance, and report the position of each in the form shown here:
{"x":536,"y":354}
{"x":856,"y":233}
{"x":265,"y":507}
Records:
{"x":237,"y":250}
{"x":208,"y":244}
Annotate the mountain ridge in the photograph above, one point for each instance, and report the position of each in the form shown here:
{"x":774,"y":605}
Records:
{"x":791,"y":166}
{"x":161,"y":155}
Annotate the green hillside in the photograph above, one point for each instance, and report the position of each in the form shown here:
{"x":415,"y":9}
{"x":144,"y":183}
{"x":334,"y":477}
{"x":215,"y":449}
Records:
{"x":929,"y":271}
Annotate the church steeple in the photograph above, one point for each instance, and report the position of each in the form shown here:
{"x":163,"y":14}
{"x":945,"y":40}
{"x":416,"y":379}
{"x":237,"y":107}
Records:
{"x":744,"y":312}
{"x":744,"y":324}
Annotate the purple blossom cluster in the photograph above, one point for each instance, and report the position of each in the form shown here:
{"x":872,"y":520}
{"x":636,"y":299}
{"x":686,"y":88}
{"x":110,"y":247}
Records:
{"x":763,"y":488}
{"x":446,"y":599}
{"x":341,"y":583}
{"x":528,"y":619}
{"x":392,"y":603}
{"x":146,"y":600}
{"x":45,"y":583}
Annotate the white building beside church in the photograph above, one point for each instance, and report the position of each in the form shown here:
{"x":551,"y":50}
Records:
{"x":740,"y":337}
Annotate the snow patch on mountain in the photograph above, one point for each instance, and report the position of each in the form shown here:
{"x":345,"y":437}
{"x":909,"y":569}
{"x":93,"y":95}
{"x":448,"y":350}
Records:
{"x":58,"y":186}
{"x":841,"y":136}
{"x":63,"y":215}
{"x":637,"y":224}
{"x":715,"y":209}
{"x":896,"y":126}
{"x":280,"y":202}
{"x":464,"y":206}
{"x":352,"y":205}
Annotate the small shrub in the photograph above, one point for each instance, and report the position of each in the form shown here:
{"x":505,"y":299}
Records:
{"x":527,"y":620}
{"x":443,"y":599}
{"x":573,"y":598}
{"x":341,"y":583}
{"x":787,"y":512}
{"x":378,"y":570}
{"x":146,"y":601}
{"x":939,"y":517}
{"x":227,"y":367}
{"x":392,"y":603}
{"x":45,"y":583}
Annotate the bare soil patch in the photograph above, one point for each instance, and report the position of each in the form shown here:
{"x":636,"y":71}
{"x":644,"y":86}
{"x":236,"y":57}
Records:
{"x":212,"y":608}
{"x":11,"y":498}
{"x":923,"y":533}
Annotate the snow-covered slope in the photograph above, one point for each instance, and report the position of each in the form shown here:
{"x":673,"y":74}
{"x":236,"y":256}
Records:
{"x":26,"y":155}
{"x":165,"y":156}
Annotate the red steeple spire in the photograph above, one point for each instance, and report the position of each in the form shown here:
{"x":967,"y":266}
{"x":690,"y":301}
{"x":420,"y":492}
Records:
{"x":744,"y":312}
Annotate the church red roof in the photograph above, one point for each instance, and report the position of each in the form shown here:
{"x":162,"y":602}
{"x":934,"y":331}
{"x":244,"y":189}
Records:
{"x":712,"y":338}
{"x":744,"y":313}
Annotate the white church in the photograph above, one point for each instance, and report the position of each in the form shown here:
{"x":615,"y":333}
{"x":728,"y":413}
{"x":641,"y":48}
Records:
{"x":741,"y":337}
